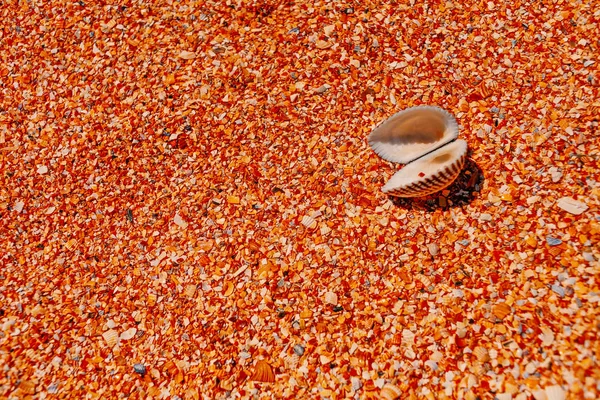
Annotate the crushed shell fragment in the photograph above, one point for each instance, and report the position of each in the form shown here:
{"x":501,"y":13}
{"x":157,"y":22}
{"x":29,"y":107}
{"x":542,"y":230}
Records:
{"x":128,"y":334}
{"x":555,"y":392}
{"x":331,"y":298}
{"x":228,"y":289}
{"x":571,"y":205}
{"x":309,"y":222}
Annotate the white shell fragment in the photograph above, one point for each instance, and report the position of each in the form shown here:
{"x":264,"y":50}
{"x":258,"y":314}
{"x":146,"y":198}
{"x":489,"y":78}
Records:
{"x":179,"y":221}
{"x":128,"y":334}
{"x":424,"y":138}
{"x":331,"y":298}
{"x":410,"y":133}
{"x":571,"y":206}
{"x":555,"y":393}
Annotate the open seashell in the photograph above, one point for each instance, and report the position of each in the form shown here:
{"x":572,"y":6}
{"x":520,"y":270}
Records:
{"x":424,"y":138}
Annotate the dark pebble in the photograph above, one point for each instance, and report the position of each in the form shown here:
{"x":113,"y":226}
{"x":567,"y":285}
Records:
{"x":139,"y":368}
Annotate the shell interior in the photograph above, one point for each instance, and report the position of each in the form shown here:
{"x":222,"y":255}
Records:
{"x":410,"y":133}
{"x":430,"y":173}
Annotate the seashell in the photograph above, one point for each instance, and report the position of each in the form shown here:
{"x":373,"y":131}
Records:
{"x":487,"y":324}
{"x":478,"y":369}
{"x":263,"y":372}
{"x":111,"y":337}
{"x":369,"y":386}
{"x":482,"y":354}
{"x":70,"y":245}
{"x":555,"y":251}
{"x":446,"y":300}
{"x":331,"y":298}
{"x":424,"y":138}
{"x":308,"y":222}
{"x":228,"y":289}
{"x":491,"y":84}
{"x":501,"y":310}
{"x":151,"y":300}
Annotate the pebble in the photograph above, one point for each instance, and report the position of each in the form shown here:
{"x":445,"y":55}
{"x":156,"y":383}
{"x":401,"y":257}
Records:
{"x":552,"y":241}
{"x":589,"y":257}
{"x":299,"y":349}
{"x":139,"y":368}
{"x":559,"y":290}
{"x":322,"y":89}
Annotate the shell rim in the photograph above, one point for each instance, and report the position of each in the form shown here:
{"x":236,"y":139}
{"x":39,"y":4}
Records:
{"x":461,"y":156}
{"x":451,"y":124}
